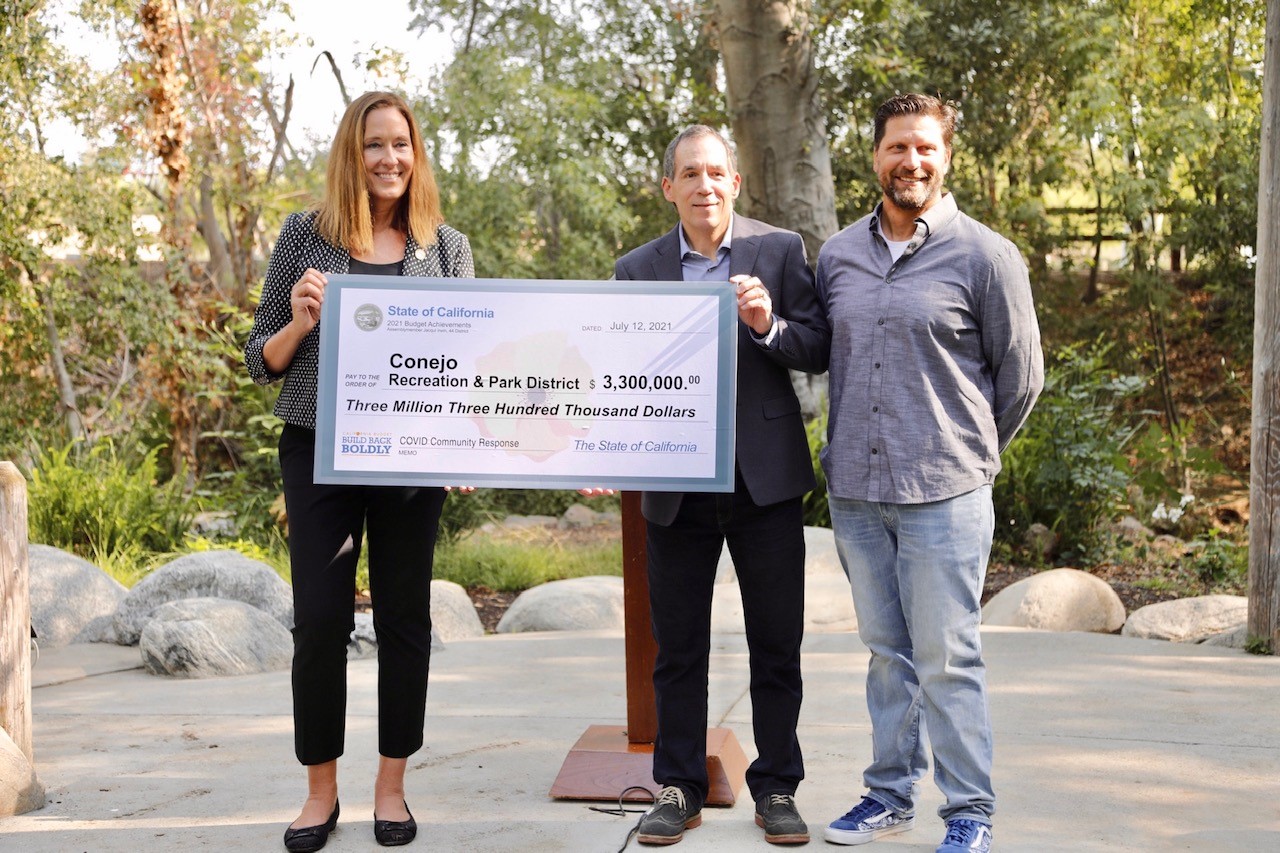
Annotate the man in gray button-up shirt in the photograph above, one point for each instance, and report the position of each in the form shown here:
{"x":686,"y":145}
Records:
{"x":935,"y":364}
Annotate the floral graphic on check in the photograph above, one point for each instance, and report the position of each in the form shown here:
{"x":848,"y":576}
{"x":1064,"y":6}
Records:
{"x":524,"y":391}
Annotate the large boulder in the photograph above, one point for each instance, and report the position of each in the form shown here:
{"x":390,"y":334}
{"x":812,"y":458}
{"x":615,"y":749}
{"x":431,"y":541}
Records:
{"x":1236,"y":638}
{"x":580,"y":516}
{"x":208,"y":574}
{"x":453,"y":616}
{"x":820,"y":556}
{"x":20,"y":790}
{"x":364,"y":639}
{"x":828,"y":606}
{"x":67,"y":595}
{"x":1057,"y":600}
{"x":566,"y":605}
{"x":205,"y":637}
{"x":1188,"y":620}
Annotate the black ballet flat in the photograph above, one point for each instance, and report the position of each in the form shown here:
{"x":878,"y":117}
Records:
{"x":305,"y":839}
{"x":393,"y":833}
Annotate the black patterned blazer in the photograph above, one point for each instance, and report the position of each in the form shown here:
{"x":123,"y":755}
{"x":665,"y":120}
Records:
{"x":300,"y":248}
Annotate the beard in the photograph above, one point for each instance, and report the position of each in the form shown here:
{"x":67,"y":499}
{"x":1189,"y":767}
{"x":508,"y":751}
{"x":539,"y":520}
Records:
{"x":913,"y":197}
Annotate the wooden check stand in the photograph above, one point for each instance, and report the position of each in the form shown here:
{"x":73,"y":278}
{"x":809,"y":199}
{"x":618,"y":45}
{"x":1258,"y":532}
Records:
{"x":608,"y":759}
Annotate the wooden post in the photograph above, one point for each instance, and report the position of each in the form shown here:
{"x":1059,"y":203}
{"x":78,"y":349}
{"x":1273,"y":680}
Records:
{"x":1264,"y":472}
{"x":608,"y":760}
{"x":642,"y":708}
{"x":15,"y":611}
{"x":20,"y":791}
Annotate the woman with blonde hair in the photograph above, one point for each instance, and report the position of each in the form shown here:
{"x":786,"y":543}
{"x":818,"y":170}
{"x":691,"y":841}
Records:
{"x":380,"y":216}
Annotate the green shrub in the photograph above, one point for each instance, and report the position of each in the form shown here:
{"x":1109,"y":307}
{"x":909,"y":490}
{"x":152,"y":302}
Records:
{"x":516,"y":565}
{"x":1066,"y":468}
{"x":817,"y":511}
{"x":552,"y":502}
{"x":1221,"y":564}
{"x":96,"y":502}
{"x":463,"y":513}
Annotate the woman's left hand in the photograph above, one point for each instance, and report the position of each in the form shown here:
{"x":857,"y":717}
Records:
{"x":465,"y":490}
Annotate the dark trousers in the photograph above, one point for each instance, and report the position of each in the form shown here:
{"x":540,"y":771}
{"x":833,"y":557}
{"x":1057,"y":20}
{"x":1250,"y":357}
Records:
{"x":326,"y":526}
{"x":767,"y":546}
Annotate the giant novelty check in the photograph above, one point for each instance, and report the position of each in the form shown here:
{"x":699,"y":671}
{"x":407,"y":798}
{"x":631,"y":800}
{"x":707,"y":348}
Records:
{"x":527,"y":384}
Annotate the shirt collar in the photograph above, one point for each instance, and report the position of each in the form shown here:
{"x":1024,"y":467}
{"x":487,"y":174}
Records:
{"x":685,"y":248}
{"x":932,"y":219}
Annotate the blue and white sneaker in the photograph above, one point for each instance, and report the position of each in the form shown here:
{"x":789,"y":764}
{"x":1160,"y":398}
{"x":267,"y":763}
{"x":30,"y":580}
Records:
{"x":966,"y":836}
{"x":867,"y":821}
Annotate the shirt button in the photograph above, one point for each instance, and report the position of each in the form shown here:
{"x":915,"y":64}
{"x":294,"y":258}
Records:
{"x":875,"y":408}
{"x":877,"y":365}
{"x":881,"y":321}
{"x":874,"y":451}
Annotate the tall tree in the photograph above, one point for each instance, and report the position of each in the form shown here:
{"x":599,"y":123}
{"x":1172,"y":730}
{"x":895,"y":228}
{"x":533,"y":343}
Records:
{"x":70,"y":332}
{"x":1264,"y":491}
{"x":779,"y":123}
{"x":198,"y":109}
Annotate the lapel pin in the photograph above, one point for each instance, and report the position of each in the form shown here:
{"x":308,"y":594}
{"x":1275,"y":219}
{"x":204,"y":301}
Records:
{"x":420,"y":255}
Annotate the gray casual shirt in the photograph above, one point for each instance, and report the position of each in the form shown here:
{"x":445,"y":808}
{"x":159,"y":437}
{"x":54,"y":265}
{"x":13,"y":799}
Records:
{"x":935,"y":359}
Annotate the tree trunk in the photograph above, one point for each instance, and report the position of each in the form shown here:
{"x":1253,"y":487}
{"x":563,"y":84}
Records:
{"x":780,"y":130}
{"x":778,"y":122}
{"x":1264,"y":472}
{"x":66,"y":391}
{"x":220,"y":266}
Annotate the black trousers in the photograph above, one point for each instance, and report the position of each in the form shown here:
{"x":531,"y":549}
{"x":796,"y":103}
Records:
{"x":767,"y":546}
{"x":326,"y":526}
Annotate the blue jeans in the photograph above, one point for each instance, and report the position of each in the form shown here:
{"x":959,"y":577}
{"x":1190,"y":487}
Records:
{"x":917,"y":572}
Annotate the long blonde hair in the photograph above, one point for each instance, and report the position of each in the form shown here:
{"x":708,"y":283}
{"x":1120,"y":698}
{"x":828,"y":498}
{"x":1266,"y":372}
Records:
{"x":343,"y":217}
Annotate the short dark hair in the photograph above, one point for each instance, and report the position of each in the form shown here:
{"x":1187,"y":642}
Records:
{"x":915,"y":103}
{"x":694,"y":131}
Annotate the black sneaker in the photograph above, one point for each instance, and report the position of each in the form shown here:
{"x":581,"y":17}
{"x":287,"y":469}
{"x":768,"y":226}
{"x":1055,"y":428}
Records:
{"x":668,"y":818}
{"x":782,"y":823}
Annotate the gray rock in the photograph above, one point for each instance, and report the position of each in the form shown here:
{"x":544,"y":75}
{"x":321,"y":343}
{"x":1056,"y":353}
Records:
{"x":1133,"y":530}
{"x":520,"y":522}
{"x":1041,"y":541}
{"x":67,"y":595}
{"x":1236,"y":638}
{"x":820,"y":556}
{"x":1057,"y":600}
{"x":584,"y":516}
{"x":364,"y":639}
{"x":1188,"y":620}
{"x":208,"y":574}
{"x":828,"y":606}
{"x":102,"y":629}
{"x":215,"y":524}
{"x":453,"y":616}
{"x":567,"y":605}
{"x":206,"y":637}
{"x":20,"y":790}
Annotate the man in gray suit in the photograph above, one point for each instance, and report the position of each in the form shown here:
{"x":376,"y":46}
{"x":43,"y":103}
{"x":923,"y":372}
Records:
{"x":781,"y":326}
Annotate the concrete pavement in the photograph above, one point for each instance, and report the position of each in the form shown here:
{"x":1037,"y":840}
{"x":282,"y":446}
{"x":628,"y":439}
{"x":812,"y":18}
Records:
{"x":1102,"y":743}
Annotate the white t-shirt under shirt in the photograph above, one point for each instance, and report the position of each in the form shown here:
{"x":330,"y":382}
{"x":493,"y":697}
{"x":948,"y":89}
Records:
{"x":896,"y":247}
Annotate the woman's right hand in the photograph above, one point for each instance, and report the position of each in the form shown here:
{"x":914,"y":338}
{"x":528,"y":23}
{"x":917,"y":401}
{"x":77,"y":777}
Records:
{"x":305,"y":299}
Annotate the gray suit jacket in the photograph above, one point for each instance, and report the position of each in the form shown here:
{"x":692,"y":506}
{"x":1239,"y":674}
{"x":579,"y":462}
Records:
{"x":772,"y":452}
